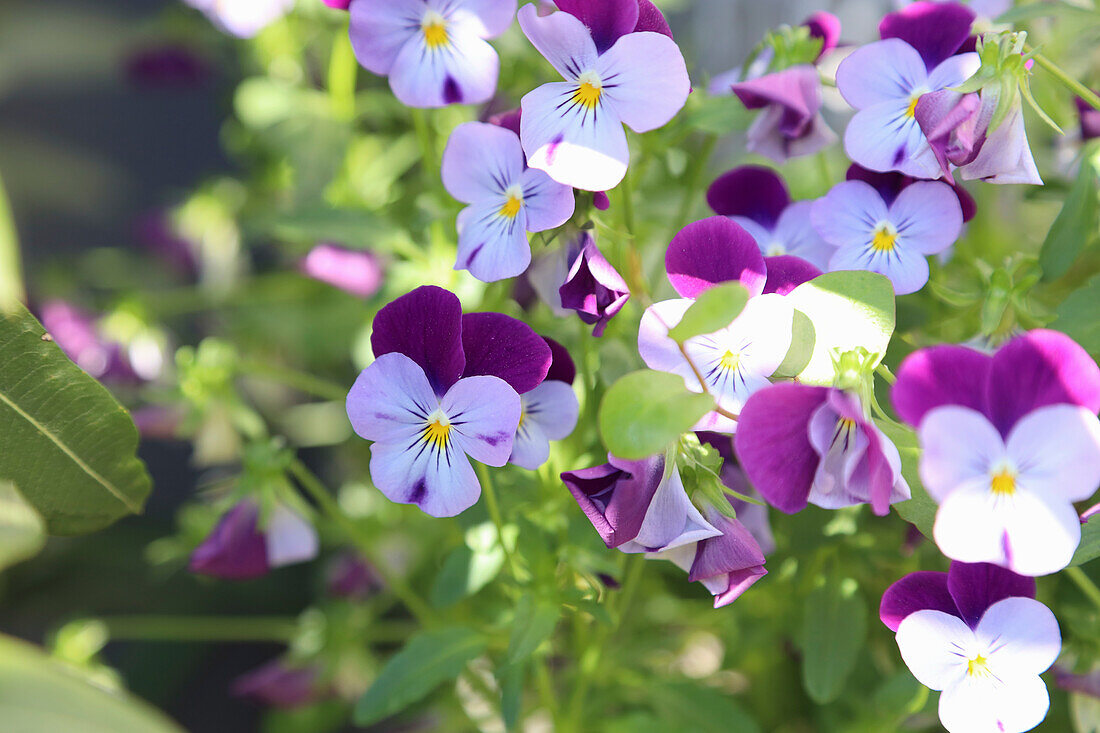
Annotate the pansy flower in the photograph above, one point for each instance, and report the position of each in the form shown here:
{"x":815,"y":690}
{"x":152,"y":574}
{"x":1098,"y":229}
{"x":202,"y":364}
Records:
{"x":444,"y":388}
{"x":280,"y":685}
{"x":434,"y":52}
{"x":737,"y":360}
{"x":79,"y":336}
{"x":757,"y":198}
{"x":484,"y":166}
{"x":892,"y":239}
{"x":638,"y":506}
{"x":1090,"y":119}
{"x":354,"y":271}
{"x":884,"y":81}
{"x":977,"y":635}
{"x":616,"y":71}
{"x":1009,"y":442}
{"x":754,"y":517}
{"x":243,"y":545}
{"x":243,"y":18}
{"x":548,"y":412}
{"x":802,"y":445}
{"x":592,"y":287}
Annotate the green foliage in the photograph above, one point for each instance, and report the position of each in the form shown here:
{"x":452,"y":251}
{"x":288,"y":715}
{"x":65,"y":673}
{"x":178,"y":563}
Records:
{"x":684,"y":706}
{"x":1089,"y":549}
{"x":471,"y":567}
{"x":22,"y":531}
{"x":1076,"y":224}
{"x":920,"y":510}
{"x":534,"y":623}
{"x":713,"y":310}
{"x":645,"y":412}
{"x":834,"y":624}
{"x":68,"y":445}
{"x":1077,"y":316}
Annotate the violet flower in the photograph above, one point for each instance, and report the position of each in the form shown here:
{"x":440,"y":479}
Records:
{"x":243,"y":18}
{"x":79,"y":337}
{"x":548,"y":412}
{"x":1081,"y":684}
{"x":279,"y":685}
{"x":350,"y":576}
{"x":791,"y":123}
{"x":1090,"y":119}
{"x":619,"y":67}
{"x":1009,"y":442}
{"x":884,"y":81}
{"x":354,"y":271}
{"x":484,"y":166}
{"x":804,"y":445}
{"x":757,"y":198}
{"x":592,"y":287}
{"x":239,"y":548}
{"x":977,"y":635}
{"x":754,"y":517}
{"x":444,"y":388}
{"x":338,"y":4}
{"x":435,"y":52}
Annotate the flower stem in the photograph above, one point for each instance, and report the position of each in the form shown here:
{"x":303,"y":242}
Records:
{"x":425,"y":136}
{"x":692,"y":179}
{"x":313,"y":485}
{"x":1066,"y":80}
{"x":494,"y":513}
{"x":635,"y":275}
{"x":200,"y":628}
{"x":1084,"y":582}
{"x":11,"y":281}
{"x":300,"y":381}
{"x":888,"y":376}
{"x":343,"y":72}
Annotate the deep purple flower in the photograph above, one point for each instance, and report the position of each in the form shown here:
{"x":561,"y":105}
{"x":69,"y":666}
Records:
{"x":484,"y":166}
{"x":616,"y":72}
{"x":988,"y":9}
{"x":354,"y":271}
{"x":240,"y":548}
{"x":593,"y":288}
{"x":167,"y":65}
{"x":78,"y":336}
{"x":1009,"y":442}
{"x":444,"y":387}
{"x":823,"y":25}
{"x":1090,"y":119}
{"x":549,"y":412}
{"x":1082,"y":684}
{"x":156,"y":232}
{"x":338,"y":4}
{"x":350,"y":576}
{"x":279,"y":685}
{"x":804,"y":445}
{"x":638,"y":506}
{"x":791,"y":124}
{"x":435,"y":52}
{"x":757,"y":198}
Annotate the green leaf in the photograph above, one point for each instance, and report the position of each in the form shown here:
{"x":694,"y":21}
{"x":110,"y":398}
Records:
{"x":1074,"y":227}
{"x":1077,"y":316}
{"x":11,"y":281}
{"x":847,"y":310}
{"x":511,"y":694}
{"x":920,"y":510}
{"x":22,"y":531}
{"x":713,"y":310}
{"x":427,"y":661}
{"x":534,"y":623}
{"x":833,"y":630}
{"x":644,"y":412}
{"x":68,"y":445}
{"x":39,"y":695}
{"x":1089,"y":549}
{"x":685,"y":706}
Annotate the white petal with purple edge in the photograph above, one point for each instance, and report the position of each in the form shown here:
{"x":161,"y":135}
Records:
{"x":548,"y":203}
{"x":1022,"y":637}
{"x":553,"y":407}
{"x":907,"y":270}
{"x":879,"y":72}
{"x":463,"y":70}
{"x":391,"y":399}
{"x":491,"y":246}
{"x":885,"y":137}
{"x":978,"y":705}
{"x":644,"y":79}
{"x":927,"y":216}
{"x":381,"y":28}
{"x":1006,"y":155}
{"x":492,"y":17}
{"x":561,"y":38}
{"x":441,"y":482}
{"x":848,"y":214}
{"x":931,"y":643}
{"x":289,"y":538}
{"x":481,"y":161}
{"x":958,"y":446}
{"x":484,"y":414}
{"x":1056,"y":450}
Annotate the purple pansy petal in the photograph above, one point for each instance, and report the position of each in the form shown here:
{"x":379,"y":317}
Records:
{"x":847,"y":215}
{"x":773,"y":444}
{"x":381,"y":28}
{"x":885,"y":71}
{"x":949,"y":122}
{"x":500,"y":346}
{"x":492,"y":16}
{"x":1037,"y":369}
{"x":546,"y":203}
{"x":786,"y":272}
{"x":766,"y":136}
{"x":734,"y":550}
{"x":935,"y":30}
{"x":462,"y":72}
{"x":601,"y":201}
{"x":275,"y":683}
{"x":235,"y":549}
{"x":797,"y":90}
{"x":651,"y":20}
{"x":616,"y":496}
{"x":290,"y":537}
{"x":938,"y":376}
{"x":562,"y":39}
{"x":878,"y":476}
{"x":825,"y":26}
{"x":426,"y":326}
{"x":481,"y":161}
{"x":491,"y":246}
{"x":713,"y":251}
{"x":1082,"y":684}
{"x":884,"y":137}
{"x":574,"y":147}
{"x":484,"y":413}
{"x":646,"y":80}
{"x":606,"y":20}
{"x":350,"y":576}
{"x":928,"y":217}
{"x":562,"y":368}
{"x":1090,"y":119}
{"x":353,"y":271}
{"x":508,"y":120}
{"x":975,"y":587}
{"x":338,"y":4}
{"x":920,"y":591}
{"x":888,"y":183}
{"x":751,"y":191}
{"x":593,"y":288}
{"x":906,"y":269}
{"x":442,"y":483}
{"x":671,"y":520}
{"x":739,"y":582}
{"x":390,"y":399}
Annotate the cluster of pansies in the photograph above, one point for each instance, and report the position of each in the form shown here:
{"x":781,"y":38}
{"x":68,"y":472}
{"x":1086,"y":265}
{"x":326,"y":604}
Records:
{"x":1008,"y":441}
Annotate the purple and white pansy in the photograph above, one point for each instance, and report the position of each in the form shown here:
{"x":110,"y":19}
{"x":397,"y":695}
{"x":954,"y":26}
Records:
{"x":444,"y":387}
{"x":757,"y":198}
{"x":245,"y":545}
{"x":484,"y":167}
{"x":592,"y":287}
{"x":620,"y":65}
{"x":800,"y":445}
{"x":1009,"y":441}
{"x":435,"y":52}
{"x":548,"y":412}
{"x":976,"y":634}
{"x":885,"y":80}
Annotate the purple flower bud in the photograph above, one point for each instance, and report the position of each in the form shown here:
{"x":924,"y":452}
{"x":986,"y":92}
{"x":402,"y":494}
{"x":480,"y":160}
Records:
{"x":279,"y":685}
{"x":601,"y":201}
{"x":350,"y":576}
{"x":593,"y":287}
{"x":791,"y":124}
{"x":353,"y":271}
{"x":729,"y":563}
{"x":1090,"y":119}
{"x":239,"y":549}
{"x":1082,"y":684}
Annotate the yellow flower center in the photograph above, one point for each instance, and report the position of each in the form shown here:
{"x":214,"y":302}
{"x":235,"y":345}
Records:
{"x":884,"y":239}
{"x":511,"y":207}
{"x":1003,"y":483}
{"x":729,"y":361}
{"x":434,"y":27}
{"x":845,"y":424}
{"x":590,"y":90}
{"x":437,"y":433}
{"x":978,"y":667}
{"x":912,"y":111}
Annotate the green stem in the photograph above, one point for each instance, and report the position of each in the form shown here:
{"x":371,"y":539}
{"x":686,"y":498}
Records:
{"x":1066,"y":80}
{"x":635,"y":276}
{"x":343,"y":73}
{"x":11,"y":280}
{"x":425,"y":136}
{"x":1077,"y":575}
{"x":332,"y":509}
{"x":888,"y":376}
{"x":200,"y":628}
{"x":300,"y":381}
{"x":547,"y":696}
{"x":693,"y":178}
{"x":494,"y":513}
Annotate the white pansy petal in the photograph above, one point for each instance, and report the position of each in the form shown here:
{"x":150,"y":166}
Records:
{"x":848,"y":214}
{"x":1041,"y":532}
{"x":391,"y":400}
{"x":491,"y":246}
{"x":381,"y":28}
{"x":880,"y":72}
{"x":971,"y":525}
{"x":484,"y":413}
{"x":553,"y":407}
{"x":763,"y":238}
{"x":978,"y":705}
{"x":672,"y":520}
{"x":490,"y":17}
{"x":657,"y":350}
{"x":885,"y":137}
{"x":796,"y":231}
{"x":1021,"y":637}
{"x":290,"y":538}
{"x":764,"y":326}
{"x":933,"y":645}
{"x":1056,"y":450}
{"x":959,"y":446}
{"x":441,"y":482}
{"x":645,"y":79}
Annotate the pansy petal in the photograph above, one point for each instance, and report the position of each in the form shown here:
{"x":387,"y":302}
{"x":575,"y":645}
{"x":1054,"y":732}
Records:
{"x":797,"y":90}
{"x":490,"y":245}
{"x":1056,"y":450}
{"x":751,"y":191}
{"x":547,"y":203}
{"x":764,"y":326}
{"x":390,"y":399}
{"x":920,"y":591}
{"x":954,"y":71}
{"x":929,"y":642}
{"x":561,"y":38}
{"x":426,"y":326}
{"x":530,"y":447}
{"x":773,"y":443}
{"x":462,"y":71}
{"x":935,"y":30}
{"x":737,"y":583}
{"x":713,"y":251}
{"x":380,"y":29}
{"x":651,"y":19}
{"x":645,"y":80}
{"x":928,"y":217}
{"x":494,"y":16}
{"x":615,"y":497}
{"x":290,"y":537}
{"x":884,"y":137}
{"x":1037,"y":369}
{"x":562,"y":368}
{"x":825,"y":26}
{"x":906,"y":269}
{"x":959,"y":446}
{"x":978,"y":706}
{"x":500,"y":346}
{"x":574,"y":145}
{"x":795,"y":232}
{"x":787,"y":272}
{"x":235,"y":549}
{"x":885,"y":71}
{"x":606,"y":20}
{"x":1023,"y":637}
{"x":553,"y":407}
{"x":733,"y":550}
{"x":764,"y":238}
{"x":938,"y":376}
{"x":672,"y":520}
{"x":441,"y":482}
{"x":1006,"y":155}
{"x":484,"y":413}
{"x":481,"y":161}
{"x":657,"y":350}
{"x":848,"y":214}
{"x":975,"y":587}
